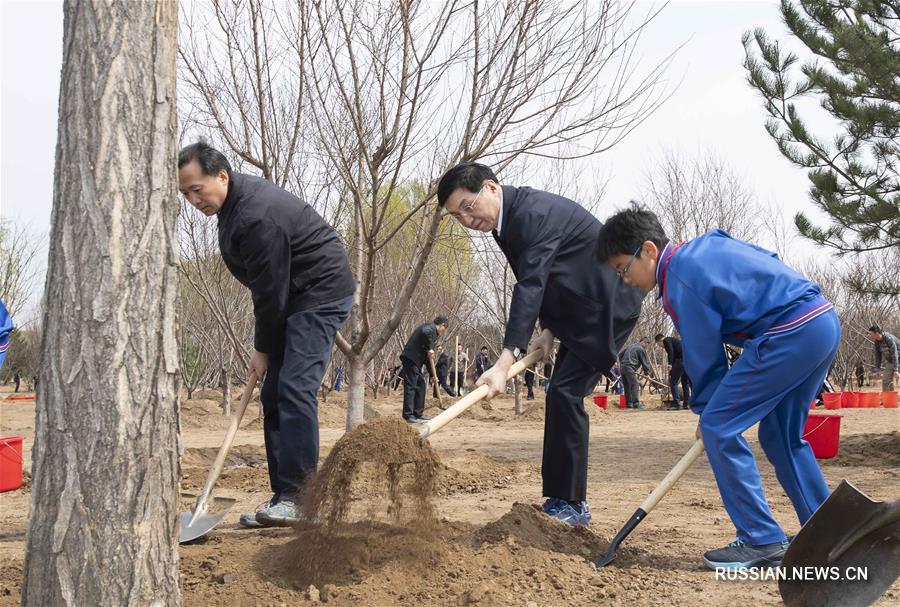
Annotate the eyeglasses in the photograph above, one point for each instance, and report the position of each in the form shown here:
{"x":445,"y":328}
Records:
{"x":466,"y":209}
{"x":624,"y":271}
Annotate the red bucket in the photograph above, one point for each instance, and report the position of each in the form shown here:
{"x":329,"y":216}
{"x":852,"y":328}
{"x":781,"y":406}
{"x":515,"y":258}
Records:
{"x":600,"y":400}
{"x":823,"y":433}
{"x":11,"y":463}
{"x":622,"y":403}
{"x":870,"y":400}
{"x":849,"y":400}
{"x":832,"y":400}
{"x":889,"y":399}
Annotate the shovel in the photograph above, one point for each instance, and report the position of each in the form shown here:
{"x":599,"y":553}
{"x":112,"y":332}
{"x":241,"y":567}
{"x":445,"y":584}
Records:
{"x":454,"y":410}
{"x":436,"y":383}
{"x":650,"y":503}
{"x":849,"y":534}
{"x":198,"y":523}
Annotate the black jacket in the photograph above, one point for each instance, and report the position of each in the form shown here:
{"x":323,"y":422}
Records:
{"x":423,"y":339}
{"x":482,"y":363}
{"x":283,"y":251}
{"x":549,"y":243}
{"x":674,"y":352}
{"x":442,"y":364}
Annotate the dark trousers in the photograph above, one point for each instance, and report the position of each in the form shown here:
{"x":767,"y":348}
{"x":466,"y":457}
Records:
{"x":632,"y":386}
{"x":17,"y":384}
{"x":290,"y":408}
{"x":677,"y":377}
{"x":529,"y":383}
{"x":413,"y":389}
{"x":566,"y":425}
{"x":442,"y":381}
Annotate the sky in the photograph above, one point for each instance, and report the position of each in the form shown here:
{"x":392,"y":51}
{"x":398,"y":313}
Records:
{"x":712,"y":109}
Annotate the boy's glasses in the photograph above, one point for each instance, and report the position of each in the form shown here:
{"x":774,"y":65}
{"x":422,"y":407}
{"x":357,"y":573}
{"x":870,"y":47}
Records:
{"x":624,"y":271}
{"x":466,"y":209}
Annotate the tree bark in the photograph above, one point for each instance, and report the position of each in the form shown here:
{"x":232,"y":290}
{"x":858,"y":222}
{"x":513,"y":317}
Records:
{"x":103,"y":527}
{"x":357,"y":392}
{"x":226,"y":391}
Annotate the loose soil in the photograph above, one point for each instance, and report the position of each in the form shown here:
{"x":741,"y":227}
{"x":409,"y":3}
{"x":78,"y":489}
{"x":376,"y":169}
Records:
{"x":488,"y":543}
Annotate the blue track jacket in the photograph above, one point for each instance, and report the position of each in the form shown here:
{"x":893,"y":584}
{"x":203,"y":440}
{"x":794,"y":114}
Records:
{"x":718,"y":289}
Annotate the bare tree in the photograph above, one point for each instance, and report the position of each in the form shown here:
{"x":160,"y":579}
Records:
{"x":18,"y":274}
{"x":694,"y":195}
{"x":389,"y":94}
{"x":103,"y":527}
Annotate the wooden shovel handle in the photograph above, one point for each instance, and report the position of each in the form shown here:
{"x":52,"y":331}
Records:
{"x":435,"y":381}
{"x":217,"y":466}
{"x":454,"y":410}
{"x":672,"y":477}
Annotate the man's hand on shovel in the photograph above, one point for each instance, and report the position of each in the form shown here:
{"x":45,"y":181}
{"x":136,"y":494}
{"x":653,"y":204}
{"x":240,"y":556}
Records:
{"x":544,"y":343}
{"x":495,"y":377}
{"x":259,"y":362}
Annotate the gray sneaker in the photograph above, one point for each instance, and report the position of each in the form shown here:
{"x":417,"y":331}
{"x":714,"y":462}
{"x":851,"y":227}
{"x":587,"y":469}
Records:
{"x":741,"y":555}
{"x":248,"y":519}
{"x":282,"y":514}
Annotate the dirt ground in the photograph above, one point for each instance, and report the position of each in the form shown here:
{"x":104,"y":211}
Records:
{"x":491,"y":546}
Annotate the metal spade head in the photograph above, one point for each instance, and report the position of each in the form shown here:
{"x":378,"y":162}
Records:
{"x":850,"y":533}
{"x":194,"y":525}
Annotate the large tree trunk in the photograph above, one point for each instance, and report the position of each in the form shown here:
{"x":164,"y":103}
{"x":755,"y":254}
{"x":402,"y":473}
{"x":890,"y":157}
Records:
{"x":104,"y":497}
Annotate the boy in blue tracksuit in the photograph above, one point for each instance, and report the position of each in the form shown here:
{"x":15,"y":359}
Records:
{"x":717,"y":289}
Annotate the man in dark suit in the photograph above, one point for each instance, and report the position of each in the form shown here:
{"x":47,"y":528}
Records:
{"x":418,"y":350}
{"x":548,"y":241}
{"x":302,"y":289}
{"x":677,"y":374}
{"x":482,"y":362}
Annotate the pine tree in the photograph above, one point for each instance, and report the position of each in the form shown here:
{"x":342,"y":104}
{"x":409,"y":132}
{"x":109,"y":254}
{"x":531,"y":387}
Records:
{"x":854,"y":77}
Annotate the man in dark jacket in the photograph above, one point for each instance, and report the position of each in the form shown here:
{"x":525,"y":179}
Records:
{"x":677,"y":375}
{"x":482,"y":362}
{"x":889,"y":345}
{"x":442,"y":367}
{"x":419,"y":349}
{"x":548,"y":241}
{"x":631,"y":359}
{"x":302,"y":289}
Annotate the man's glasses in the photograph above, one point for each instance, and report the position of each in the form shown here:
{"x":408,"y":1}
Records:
{"x":466,"y":209}
{"x":624,"y":271}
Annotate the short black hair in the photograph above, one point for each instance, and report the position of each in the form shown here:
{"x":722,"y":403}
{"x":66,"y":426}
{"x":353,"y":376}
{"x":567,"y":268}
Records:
{"x":874,"y":329}
{"x":644,"y":340}
{"x":468,"y":175}
{"x":658,"y":337}
{"x":211,"y":160}
{"x":440,"y":320}
{"x":626,"y":231}
{"x":484,"y":347}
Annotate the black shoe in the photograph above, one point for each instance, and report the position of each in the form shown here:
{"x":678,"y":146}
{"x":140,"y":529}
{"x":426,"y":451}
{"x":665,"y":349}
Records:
{"x":422,"y":418}
{"x":740,"y":555}
{"x":411,"y":420}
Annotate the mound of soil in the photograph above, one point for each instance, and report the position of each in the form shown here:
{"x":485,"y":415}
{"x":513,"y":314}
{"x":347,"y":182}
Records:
{"x":392,"y":448}
{"x":473,"y":472}
{"x":529,"y":526}
{"x":868,"y":450}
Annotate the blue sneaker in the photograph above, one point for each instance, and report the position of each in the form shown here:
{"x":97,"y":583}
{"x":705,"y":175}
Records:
{"x":570,"y":513}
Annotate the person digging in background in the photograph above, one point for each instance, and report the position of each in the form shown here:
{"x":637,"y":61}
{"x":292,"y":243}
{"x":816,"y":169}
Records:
{"x":887,"y":348}
{"x":717,"y":289}
{"x":302,"y":289}
{"x":442,"y":368}
{"x":548,"y":240}
{"x":463,"y":362}
{"x":482,"y":362}
{"x":679,"y":384}
{"x":419,"y":349}
{"x":631,"y":359}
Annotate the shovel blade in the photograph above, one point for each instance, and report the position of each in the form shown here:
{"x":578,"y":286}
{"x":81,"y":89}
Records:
{"x":840,"y":535}
{"x":203,"y":525}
